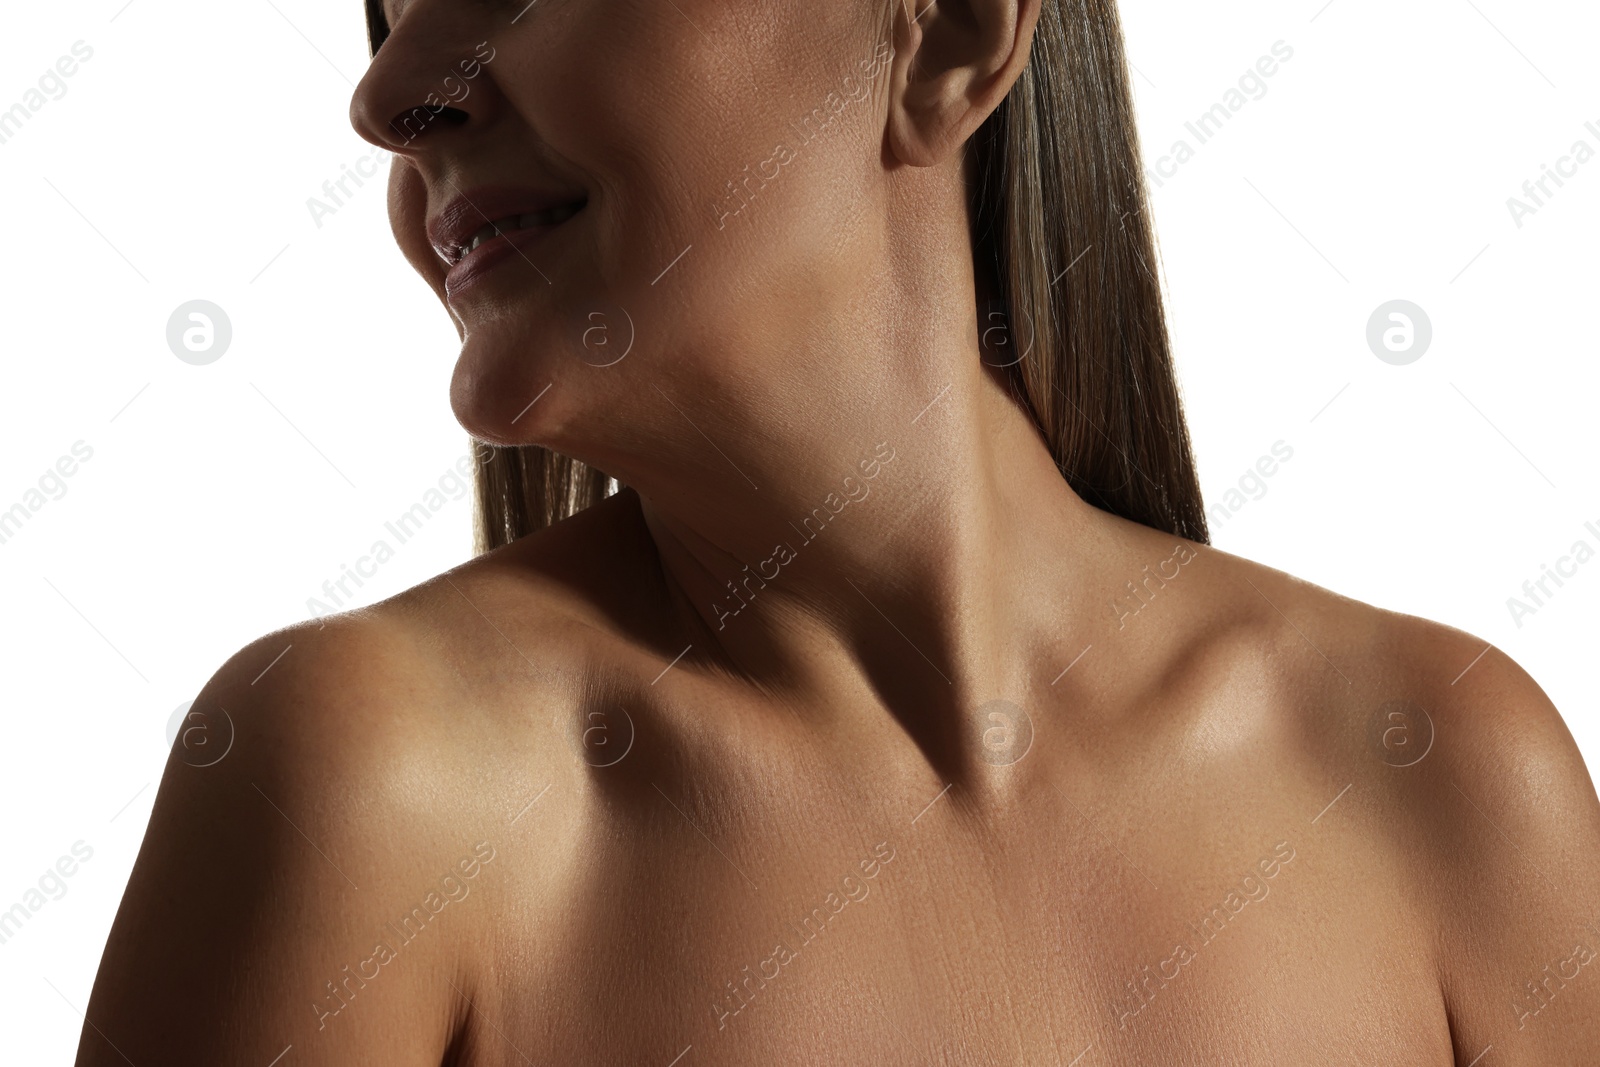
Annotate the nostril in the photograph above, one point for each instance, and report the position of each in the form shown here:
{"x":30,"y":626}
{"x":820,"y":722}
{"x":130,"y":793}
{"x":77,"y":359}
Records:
{"x":409,"y":125}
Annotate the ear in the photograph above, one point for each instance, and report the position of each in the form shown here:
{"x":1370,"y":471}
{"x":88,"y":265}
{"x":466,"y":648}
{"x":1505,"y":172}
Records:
{"x":954,"y":62}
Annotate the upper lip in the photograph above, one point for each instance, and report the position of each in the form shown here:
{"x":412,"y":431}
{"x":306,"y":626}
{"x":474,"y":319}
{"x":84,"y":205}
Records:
{"x":453,"y":226}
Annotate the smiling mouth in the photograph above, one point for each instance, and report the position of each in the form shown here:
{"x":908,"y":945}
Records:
{"x":510,"y":224}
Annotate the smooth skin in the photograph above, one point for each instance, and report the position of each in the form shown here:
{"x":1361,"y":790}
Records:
{"x":1230,"y":818}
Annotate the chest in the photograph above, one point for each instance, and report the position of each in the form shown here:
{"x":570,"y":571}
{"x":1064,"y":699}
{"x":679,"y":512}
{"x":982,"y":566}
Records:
{"x":830,"y":928}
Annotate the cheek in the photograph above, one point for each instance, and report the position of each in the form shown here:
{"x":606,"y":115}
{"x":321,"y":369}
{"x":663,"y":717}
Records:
{"x":652,"y":155}
{"x":677,"y":128}
{"x":699,"y":168}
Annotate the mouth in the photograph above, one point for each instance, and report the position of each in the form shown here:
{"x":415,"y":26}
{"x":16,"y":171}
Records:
{"x":546,"y":219}
{"x":488,"y":227}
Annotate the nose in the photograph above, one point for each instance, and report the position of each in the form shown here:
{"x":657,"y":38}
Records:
{"x":429,"y":80}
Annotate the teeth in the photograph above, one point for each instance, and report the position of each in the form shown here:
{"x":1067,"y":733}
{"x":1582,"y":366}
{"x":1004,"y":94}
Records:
{"x":548,"y":217}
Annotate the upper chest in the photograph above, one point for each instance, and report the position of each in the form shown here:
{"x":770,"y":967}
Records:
{"x":736,"y":916}
{"x":1183,"y":886}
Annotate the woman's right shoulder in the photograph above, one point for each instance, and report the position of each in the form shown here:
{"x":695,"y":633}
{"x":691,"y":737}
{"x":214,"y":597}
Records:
{"x":322,"y":780}
{"x":526,"y":597}
{"x":484,"y":654}
{"x":354,"y":683}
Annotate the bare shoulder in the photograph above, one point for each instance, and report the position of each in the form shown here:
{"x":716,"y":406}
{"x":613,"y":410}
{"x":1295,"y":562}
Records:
{"x":1406,"y":693}
{"x":1460,"y":769}
{"x":380,"y":705}
{"x":469,"y":674}
{"x":1503,"y":822}
{"x":579,"y":590}
{"x":288,"y":823}
{"x":339,"y":790}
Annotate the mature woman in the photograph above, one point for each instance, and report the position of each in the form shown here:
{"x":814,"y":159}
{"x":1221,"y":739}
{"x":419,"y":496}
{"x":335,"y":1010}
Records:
{"x":893,"y":707}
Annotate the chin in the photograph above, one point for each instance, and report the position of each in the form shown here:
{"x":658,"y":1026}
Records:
{"x":506,"y":394}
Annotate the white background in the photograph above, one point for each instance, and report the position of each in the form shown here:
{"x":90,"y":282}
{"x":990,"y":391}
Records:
{"x":219,"y":498}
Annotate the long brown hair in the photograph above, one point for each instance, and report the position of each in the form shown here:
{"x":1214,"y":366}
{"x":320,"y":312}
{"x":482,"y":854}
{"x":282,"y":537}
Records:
{"x":1061,"y":225}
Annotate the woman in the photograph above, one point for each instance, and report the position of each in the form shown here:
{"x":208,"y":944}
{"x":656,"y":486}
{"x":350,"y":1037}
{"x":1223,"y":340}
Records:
{"x":894,"y":709}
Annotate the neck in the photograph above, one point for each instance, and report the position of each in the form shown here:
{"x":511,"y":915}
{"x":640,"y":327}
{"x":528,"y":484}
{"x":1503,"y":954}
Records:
{"x":935,"y":557}
{"x":893,"y":528}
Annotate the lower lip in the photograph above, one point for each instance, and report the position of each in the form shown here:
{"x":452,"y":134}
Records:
{"x":514,"y":246}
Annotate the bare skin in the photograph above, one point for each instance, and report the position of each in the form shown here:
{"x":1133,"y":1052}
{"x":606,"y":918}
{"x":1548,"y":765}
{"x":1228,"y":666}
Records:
{"x":1224,"y":816}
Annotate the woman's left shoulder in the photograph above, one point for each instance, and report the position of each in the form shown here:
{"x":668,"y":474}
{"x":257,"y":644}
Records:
{"x":1507,"y":833}
{"x":1426,"y":714}
{"x":1483,"y":706}
{"x":1426,"y":696}
{"x":1492,"y":725}
{"x":1472,"y":778}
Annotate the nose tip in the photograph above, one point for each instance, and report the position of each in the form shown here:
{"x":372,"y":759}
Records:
{"x":359,"y":122}
{"x":384,"y":111}
{"x":425,"y":79}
